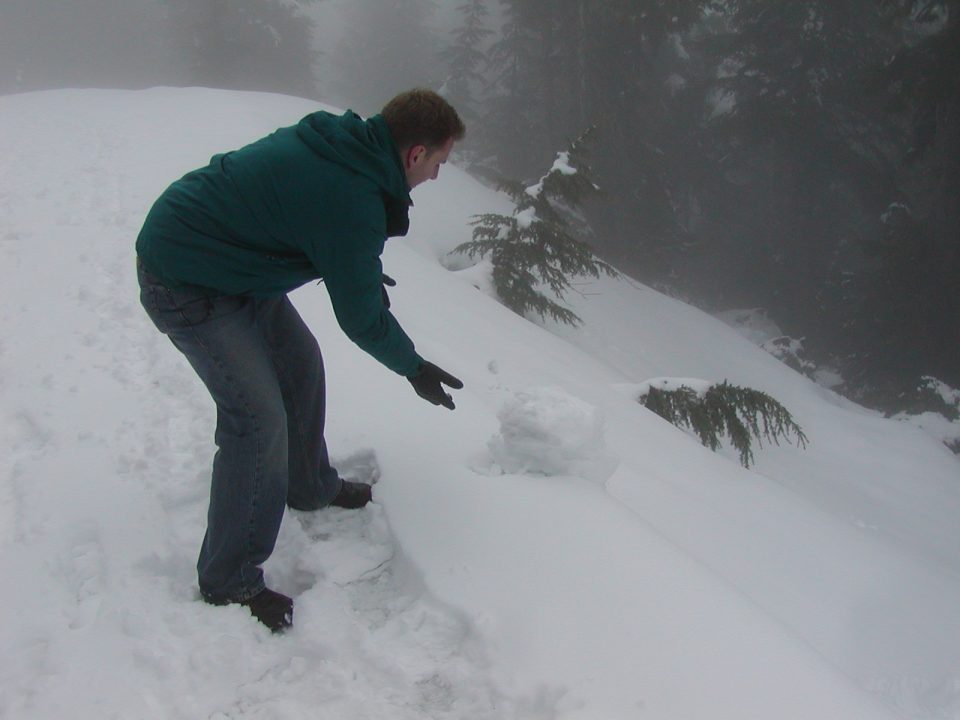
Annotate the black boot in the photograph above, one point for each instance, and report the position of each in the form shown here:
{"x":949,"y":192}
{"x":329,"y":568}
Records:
{"x":272,"y":609}
{"x":352,"y":495}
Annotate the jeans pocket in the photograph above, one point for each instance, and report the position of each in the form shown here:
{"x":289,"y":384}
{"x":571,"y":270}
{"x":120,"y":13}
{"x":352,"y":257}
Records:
{"x":222,"y":305}
{"x":183,"y":306}
{"x":169,"y":315}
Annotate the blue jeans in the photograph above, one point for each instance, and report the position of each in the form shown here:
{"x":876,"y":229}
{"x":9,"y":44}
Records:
{"x":263,"y":368}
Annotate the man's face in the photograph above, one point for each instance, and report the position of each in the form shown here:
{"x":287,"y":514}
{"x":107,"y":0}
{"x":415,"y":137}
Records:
{"x":422,"y":165}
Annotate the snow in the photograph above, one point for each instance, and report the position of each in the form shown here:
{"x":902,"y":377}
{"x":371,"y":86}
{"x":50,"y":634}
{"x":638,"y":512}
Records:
{"x":550,"y":549}
{"x":950,"y":396}
{"x":721,"y":102}
{"x":526,"y":218}
{"x":547,"y":431}
{"x":560,"y":165}
{"x":753,"y":323}
{"x":672,"y":384}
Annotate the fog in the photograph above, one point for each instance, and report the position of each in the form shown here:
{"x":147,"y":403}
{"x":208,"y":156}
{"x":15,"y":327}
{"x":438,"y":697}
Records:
{"x":238,"y":44}
{"x":798,"y":158}
{"x":87,"y":43}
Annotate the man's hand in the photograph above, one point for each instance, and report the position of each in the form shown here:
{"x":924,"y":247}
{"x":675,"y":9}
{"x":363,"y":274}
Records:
{"x":429,"y":381}
{"x":387,"y":282}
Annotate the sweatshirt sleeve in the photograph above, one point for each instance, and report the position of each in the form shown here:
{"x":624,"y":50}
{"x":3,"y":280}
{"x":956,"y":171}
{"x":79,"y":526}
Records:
{"x":354,"y":278}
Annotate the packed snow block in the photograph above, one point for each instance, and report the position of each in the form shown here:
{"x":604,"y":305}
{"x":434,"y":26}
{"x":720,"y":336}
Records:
{"x":547,"y":431}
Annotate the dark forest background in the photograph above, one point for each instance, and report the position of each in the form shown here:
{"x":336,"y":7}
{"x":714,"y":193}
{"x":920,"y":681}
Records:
{"x":802,"y":156}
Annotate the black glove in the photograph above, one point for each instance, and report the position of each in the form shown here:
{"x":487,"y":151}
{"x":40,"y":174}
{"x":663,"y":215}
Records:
{"x":387,"y":282}
{"x":427,"y":383}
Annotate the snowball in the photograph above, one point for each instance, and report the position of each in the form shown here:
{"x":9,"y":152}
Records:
{"x":547,"y":431}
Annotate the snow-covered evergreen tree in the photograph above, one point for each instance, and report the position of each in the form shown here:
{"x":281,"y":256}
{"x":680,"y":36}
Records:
{"x":542,"y":241}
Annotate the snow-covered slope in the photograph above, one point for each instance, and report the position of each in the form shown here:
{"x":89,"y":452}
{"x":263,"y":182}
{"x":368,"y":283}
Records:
{"x":549,"y":550}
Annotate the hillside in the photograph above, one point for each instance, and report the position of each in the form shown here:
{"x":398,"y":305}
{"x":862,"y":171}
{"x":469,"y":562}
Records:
{"x":548,"y":550}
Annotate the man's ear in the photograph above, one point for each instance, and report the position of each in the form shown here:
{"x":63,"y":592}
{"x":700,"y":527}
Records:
{"x":415,"y":155}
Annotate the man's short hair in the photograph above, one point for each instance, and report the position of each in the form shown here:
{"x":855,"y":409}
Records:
{"x":422,"y":117}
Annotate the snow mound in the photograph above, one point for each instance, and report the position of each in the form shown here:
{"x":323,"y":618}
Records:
{"x":547,"y":431}
{"x":822,"y":584}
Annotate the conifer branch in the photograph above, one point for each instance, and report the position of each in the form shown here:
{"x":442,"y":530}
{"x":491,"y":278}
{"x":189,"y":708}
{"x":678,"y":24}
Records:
{"x":741,"y":414}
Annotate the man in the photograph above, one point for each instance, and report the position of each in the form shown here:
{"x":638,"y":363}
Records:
{"x":217,"y":255}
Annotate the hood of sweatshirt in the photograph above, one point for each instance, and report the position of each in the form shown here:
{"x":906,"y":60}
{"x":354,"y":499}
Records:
{"x":364,"y":146}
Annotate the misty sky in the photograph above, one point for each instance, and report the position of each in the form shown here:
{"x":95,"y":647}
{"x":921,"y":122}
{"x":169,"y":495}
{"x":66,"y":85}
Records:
{"x":127,"y":44}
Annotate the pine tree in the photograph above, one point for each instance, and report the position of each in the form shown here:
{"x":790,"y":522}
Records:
{"x":465,"y":58}
{"x":511,"y":125}
{"x":907,"y":315}
{"x":541,"y":242}
{"x":742,"y":414}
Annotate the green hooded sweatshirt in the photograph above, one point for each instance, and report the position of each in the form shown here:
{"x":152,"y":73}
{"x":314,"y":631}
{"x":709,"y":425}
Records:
{"x":313,"y":201}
